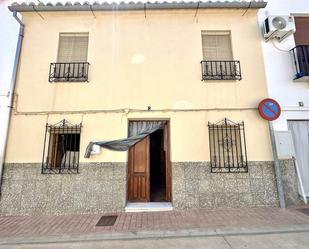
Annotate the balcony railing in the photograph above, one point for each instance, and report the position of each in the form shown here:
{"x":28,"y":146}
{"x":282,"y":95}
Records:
{"x":301,"y":61}
{"x":68,"y":72}
{"x":221,"y":70}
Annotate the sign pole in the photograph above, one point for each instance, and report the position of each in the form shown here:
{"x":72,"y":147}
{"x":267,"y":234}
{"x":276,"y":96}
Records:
{"x":270,"y":110}
{"x":277,"y":166}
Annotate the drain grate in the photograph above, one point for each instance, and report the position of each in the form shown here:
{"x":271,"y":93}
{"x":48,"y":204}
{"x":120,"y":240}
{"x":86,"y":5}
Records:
{"x":304,"y":210}
{"x":107,"y":221}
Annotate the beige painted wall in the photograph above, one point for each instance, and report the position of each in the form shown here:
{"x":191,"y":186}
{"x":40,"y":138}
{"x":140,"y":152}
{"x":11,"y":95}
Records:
{"x":189,"y":134}
{"x":138,"y":62}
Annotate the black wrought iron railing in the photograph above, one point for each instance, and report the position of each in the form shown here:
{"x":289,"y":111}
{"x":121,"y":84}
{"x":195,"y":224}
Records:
{"x":221,"y":70}
{"x":300,"y":56}
{"x":68,"y":72}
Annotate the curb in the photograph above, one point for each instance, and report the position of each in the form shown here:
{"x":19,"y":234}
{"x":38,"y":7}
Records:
{"x":158,"y":234}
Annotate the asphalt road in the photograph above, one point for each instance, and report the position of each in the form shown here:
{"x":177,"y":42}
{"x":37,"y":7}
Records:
{"x":269,"y":241}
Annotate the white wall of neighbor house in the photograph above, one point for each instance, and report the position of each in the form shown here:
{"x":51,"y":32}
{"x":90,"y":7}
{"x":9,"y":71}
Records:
{"x":279,"y":65}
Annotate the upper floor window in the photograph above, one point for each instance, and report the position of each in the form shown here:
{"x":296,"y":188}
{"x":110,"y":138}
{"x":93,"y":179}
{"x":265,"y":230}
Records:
{"x":73,"y":47}
{"x":301,"y":51}
{"x":72,"y":56}
{"x":218,"y":63}
{"x":217,"y":46}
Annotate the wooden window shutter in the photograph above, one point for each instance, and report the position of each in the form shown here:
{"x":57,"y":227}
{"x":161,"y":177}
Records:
{"x":217,"y":46}
{"x":73,"y":47}
{"x":302,"y":26}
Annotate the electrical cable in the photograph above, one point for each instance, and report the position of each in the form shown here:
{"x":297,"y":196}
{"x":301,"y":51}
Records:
{"x":127,"y":110}
{"x":35,"y":10}
{"x":247,"y":8}
{"x":197,"y":8}
{"x":282,"y":50}
{"x":92,"y":12}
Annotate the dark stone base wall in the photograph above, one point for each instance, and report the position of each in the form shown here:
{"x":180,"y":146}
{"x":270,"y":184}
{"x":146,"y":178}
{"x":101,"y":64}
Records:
{"x":289,"y":180}
{"x":99,"y":187}
{"x":195,"y":187}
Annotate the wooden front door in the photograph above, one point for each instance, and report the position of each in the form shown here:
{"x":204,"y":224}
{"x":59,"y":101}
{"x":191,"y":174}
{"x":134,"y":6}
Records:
{"x":168,"y":173}
{"x":138,"y":172}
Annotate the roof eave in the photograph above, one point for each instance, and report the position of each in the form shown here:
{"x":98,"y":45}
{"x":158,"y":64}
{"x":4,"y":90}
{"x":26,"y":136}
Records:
{"x":136,"y":6}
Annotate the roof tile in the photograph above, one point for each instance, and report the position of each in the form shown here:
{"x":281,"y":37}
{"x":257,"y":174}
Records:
{"x":97,"y":6}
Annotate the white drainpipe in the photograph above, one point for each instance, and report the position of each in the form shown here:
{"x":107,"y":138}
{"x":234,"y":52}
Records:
{"x":9,"y":99}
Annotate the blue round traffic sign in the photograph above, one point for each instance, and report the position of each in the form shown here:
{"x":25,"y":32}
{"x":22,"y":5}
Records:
{"x":269,"y":109}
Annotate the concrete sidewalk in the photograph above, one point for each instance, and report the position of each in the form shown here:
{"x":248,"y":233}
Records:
{"x":262,"y":241}
{"x":200,"y":222}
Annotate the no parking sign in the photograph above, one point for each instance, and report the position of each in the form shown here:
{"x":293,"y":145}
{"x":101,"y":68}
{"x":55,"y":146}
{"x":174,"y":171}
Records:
{"x":269,"y":109}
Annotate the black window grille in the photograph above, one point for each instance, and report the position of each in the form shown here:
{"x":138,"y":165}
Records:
{"x":61,"y":148}
{"x":68,"y":72}
{"x":221,"y":70}
{"x":227,"y":142}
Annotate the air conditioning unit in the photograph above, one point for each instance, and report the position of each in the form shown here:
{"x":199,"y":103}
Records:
{"x":279,"y":27}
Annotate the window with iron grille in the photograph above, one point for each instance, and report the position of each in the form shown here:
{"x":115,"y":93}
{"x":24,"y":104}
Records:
{"x":218,"y":63}
{"x":61,"y":148}
{"x":227,"y":144}
{"x":71,"y":62}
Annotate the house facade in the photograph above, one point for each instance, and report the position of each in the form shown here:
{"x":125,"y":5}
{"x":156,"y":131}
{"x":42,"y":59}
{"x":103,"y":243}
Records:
{"x":286,"y":67}
{"x":138,"y":103}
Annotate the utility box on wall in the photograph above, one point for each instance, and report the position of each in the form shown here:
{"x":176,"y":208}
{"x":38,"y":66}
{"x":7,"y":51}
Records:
{"x":285,"y":145}
{"x":96,"y":150}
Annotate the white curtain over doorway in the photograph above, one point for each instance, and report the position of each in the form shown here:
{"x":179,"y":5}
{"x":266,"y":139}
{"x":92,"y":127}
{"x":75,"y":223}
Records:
{"x":137,"y":131}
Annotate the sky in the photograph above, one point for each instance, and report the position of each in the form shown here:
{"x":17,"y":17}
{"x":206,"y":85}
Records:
{"x":8,"y":41}
{"x":9,"y":33}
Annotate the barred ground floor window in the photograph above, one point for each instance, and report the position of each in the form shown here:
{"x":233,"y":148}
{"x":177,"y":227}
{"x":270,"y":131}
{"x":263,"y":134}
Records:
{"x":61,"y":148}
{"x":227,"y":144}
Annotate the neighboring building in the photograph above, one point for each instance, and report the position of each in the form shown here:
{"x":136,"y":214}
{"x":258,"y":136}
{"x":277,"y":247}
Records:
{"x":287,"y":73}
{"x":181,"y":80}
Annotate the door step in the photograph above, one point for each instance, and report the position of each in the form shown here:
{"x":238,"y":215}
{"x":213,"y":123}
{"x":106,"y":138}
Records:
{"x":148,"y":206}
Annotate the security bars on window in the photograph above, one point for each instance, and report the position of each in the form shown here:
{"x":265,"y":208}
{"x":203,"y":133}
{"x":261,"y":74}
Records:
{"x":61,"y":148}
{"x":227,"y":144}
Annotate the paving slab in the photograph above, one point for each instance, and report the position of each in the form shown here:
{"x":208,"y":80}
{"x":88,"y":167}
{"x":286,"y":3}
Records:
{"x":270,"y":241}
{"x":172,"y":224}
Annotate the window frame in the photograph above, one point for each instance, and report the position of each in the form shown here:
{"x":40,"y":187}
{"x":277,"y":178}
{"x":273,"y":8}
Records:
{"x":217,"y":33}
{"x":72,"y":34}
{"x":219,"y":69}
{"x":70,"y":70}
